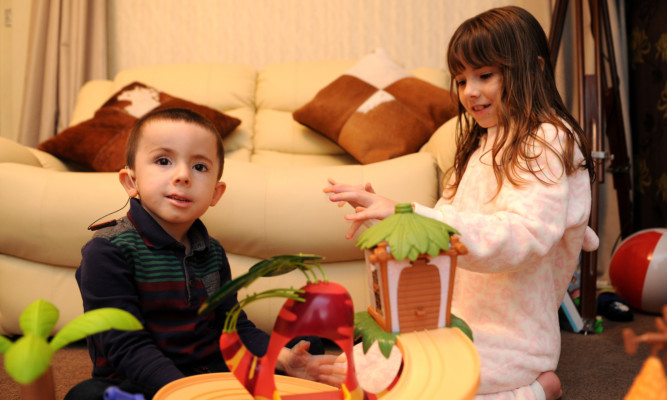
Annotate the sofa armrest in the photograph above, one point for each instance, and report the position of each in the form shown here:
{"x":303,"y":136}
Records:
{"x":14,"y":152}
{"x":268,"y":211}
{"x":45,"y":218}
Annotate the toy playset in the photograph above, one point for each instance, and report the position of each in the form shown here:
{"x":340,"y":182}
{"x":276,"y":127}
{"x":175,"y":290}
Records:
{"x":411,"y":262}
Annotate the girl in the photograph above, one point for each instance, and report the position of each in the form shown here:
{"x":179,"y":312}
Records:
{"x":519,"y":194}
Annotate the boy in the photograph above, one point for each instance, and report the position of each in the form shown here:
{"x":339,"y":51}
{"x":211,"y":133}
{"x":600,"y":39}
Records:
{"x":160,"y":264}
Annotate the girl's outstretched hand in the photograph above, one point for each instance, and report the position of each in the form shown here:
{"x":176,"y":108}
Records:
{"x":366,"y":203}
{"x":297,"y":362}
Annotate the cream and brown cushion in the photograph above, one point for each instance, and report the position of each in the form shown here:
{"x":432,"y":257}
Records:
{"x":99,"y":143}
{"x":377,"y":110}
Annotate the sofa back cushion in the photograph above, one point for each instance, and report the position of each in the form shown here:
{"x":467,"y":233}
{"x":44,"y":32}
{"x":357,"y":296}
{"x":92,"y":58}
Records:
{"x":264,"y":212}
{"x":270,"y":210}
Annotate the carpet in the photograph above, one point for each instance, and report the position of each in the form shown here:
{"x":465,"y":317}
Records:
{"x":596,"y":367}
{"x":591,"y":367}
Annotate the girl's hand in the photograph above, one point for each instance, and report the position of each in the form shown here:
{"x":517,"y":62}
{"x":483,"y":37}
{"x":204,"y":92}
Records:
{"x":299,"y":363}
{"x":366,"y":203}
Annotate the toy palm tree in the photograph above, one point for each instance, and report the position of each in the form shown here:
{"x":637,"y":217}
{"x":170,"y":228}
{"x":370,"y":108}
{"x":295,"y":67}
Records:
{"x":320,"y":308}
{"x":273,"y":266}
{"x":28,"y":360}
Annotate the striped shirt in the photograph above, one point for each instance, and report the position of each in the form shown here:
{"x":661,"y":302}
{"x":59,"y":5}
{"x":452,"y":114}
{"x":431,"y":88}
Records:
{"x":136,"y":266}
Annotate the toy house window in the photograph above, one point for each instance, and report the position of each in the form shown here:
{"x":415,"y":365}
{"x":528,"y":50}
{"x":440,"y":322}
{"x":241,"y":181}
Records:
{"x":377,"y":289}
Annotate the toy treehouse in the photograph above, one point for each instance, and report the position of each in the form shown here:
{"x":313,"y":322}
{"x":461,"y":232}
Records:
{"x":411,"y":261}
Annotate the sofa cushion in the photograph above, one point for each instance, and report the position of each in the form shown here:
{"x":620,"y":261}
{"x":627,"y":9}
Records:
{"x":11,"y":151}
{"x":265,"y":210}
{"x":283,"y":210}
{"x":99,"y":143}
{"x":442,"y":146}
{"x":377,"y":110}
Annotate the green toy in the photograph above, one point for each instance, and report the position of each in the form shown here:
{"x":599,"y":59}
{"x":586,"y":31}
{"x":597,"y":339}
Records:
{"x":408,"y":234}
{"x":411,"y":261}
{"x":30,"y":356}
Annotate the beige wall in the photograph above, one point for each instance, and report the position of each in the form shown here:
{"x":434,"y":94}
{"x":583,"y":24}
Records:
{"x":254,"y":32}
{"x":260,"y":32}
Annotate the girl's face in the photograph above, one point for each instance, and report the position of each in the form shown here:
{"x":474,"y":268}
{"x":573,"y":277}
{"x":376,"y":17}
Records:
{"x":480,"y":92}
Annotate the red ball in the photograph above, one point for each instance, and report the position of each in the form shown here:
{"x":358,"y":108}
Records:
{"x":638,"y":269}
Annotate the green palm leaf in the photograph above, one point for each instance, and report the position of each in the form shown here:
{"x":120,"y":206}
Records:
{"x":279,"y":265}
{"x":408,"y":234}
{"x":456,"y":322}
{"x":39,"y":318}
{"x":92,"y":322}
{"x":28,"y":358}
{"x":229,"y":287}
{"x":372,"y":236}
{"x":370,"y":332}
{"x":273,"y":266}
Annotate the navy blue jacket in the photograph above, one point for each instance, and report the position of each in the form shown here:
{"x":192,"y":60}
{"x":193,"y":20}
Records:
{"x":136,"y":266}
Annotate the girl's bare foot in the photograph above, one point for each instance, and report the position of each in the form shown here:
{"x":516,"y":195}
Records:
{"x":551,"y":385}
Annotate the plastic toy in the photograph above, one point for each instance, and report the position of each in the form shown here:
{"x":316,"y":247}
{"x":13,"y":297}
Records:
{"x":638,"y":269}
{"x":440,"y":363}
{"x":28,"y":360}
{"x":410,"y":262}
{"x":651,"y":382}
{"x":320,"y":308}
{"x":437,"y":362}
{"x":114,"y":393}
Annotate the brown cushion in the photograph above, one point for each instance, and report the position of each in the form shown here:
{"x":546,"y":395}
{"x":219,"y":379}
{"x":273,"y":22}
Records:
{"x":377,"y":110}
{"x":99,"y":143}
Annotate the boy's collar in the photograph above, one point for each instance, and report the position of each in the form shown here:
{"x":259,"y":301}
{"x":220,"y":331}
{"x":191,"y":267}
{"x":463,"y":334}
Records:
{"x":155,"y":236}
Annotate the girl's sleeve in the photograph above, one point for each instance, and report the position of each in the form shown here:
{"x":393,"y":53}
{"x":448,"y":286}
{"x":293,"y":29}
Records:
{"x":522,"y":224}
{"x":105,"y":280}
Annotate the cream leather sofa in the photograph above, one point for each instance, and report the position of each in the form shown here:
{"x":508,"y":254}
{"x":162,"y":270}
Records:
{"x":274,"y":203}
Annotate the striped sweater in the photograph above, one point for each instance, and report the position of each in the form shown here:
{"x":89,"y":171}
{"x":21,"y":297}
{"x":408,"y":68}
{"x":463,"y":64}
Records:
{"x":136,"y":266}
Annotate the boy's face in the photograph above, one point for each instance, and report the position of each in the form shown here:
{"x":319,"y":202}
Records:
{"x":175,"y":173}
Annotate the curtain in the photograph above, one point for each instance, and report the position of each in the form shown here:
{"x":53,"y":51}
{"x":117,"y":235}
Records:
{"x":608,"y":213}
{"x":67,"y":47}
{"x":647,"y":35}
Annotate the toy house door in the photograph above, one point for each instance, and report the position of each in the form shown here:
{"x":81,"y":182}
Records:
{"x":419,"y":297}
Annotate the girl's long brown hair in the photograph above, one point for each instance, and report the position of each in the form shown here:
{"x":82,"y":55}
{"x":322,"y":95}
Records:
{"x":511,"y":39}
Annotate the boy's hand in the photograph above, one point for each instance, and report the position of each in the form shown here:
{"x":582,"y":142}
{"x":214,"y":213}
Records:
{"x":297,"y":362}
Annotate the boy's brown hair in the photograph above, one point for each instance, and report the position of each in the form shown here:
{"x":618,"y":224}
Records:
{"x":172,"y":114}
